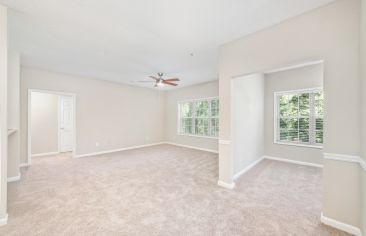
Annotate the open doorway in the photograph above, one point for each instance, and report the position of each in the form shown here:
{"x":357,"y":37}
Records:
{"x":278,"y":115}
{"x":51,"y":123}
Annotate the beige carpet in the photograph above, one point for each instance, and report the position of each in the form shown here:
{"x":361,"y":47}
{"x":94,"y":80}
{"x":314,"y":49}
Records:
{"x":162,"y":190}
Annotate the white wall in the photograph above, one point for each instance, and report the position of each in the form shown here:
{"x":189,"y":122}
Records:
{"x":114,"y":115}
{"x":3,"y":113}
{"x":330,"y":33}
{"x":172,"y":97}
{"x":247,"y":104}
{"x":300,"y":78}
{"x":44,"y":123}
{"x":13,"y":113}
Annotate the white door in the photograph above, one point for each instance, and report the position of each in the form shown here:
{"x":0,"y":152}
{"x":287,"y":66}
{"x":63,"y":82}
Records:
{"x":66,"y":124}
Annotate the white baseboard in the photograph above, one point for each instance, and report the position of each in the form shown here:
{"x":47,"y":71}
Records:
{"x":346,"y":158}
{"x":14,"y":178}
{"x":117,"y":150}
{"x":142,"y":146}
{"x":4,"y":220}
{"x":192,"y":147}
{"x":293,"y":161}
{"x":246,"y":169}
{"x":226,"y":185}
{"x":44,"y":154}
{"x":24,"y":165}
{"x":340,"y":225}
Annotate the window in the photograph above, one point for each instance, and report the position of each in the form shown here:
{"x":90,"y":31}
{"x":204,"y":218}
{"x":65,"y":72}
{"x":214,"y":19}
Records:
{"x":199,"y":117}
{"x":299,"y":117}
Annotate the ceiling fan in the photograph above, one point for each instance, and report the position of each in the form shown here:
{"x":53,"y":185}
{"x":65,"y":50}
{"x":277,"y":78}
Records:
{"x":159,"y":81}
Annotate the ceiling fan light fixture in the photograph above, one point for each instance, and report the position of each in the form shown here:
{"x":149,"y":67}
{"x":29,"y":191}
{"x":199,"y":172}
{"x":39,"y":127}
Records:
{"x":160,"y":83}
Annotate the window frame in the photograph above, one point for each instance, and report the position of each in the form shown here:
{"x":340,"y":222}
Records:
{"x":312,"y":117}
{"x":209,"y":117}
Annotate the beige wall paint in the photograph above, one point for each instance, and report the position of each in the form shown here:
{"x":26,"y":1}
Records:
{"x":114,"y":115}
{"x":330,"y":33}
{"x":300,"y":78}
{"x":3,"y":111}
{"x":363,"y":66}
{"x":247,"y":104}
{"x":13,"y":113}
{"x":342,"y":195}
{"x":172,"y":97}
{"x":44,"y":123}
{"x":363,"y":74}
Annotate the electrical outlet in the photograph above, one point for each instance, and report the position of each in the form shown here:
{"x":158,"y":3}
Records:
{"x":97,"y":144}
{"x":147,"y":138}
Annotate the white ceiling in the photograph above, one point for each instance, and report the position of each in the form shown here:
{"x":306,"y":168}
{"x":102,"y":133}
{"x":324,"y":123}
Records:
{"x":127,"y":40}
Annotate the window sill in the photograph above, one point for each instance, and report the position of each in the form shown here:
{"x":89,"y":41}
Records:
{"x":299,"y":145}
{"x":198,"y":136}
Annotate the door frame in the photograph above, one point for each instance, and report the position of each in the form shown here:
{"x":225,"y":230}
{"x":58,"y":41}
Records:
{"x":58,"y":93}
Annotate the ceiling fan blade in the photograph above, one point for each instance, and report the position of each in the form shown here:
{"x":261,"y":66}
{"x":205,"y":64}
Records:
{"x":172,"y":79}
{"x":169,"y":83}
{"x":153,"y":77}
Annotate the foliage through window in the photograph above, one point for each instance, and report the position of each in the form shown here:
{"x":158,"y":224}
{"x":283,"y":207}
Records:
{"x":199,"y":117}
{"x":299,"y":117}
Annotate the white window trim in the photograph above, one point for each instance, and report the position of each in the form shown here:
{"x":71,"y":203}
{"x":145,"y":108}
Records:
{"x":193,"y":125}
{"x":275,"y":117}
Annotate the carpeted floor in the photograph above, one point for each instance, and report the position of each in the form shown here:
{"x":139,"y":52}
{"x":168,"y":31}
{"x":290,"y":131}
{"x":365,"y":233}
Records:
{"x":162,"y":190}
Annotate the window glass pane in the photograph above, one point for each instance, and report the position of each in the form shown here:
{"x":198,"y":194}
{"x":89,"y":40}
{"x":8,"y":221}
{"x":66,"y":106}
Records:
{"x":293,"y":135}
{"x":319,"y":103}
{"x":319,"y":113}
{"x":319,"y":124}
{"x":214,"y":127}
{"x":289,"y":135}
{"x":188,"y":130}
{"x":319,"y":137}
{"x":182,"y":126}
{"x":288,"y":105}
{"x":202,"y":109}
{"x":186,"y":126}
{"x":283,"y":135}
{"x":186,"y":109}
{"x":215,"y":108}
{"x":288,"y":123}
{"x":304,"y":136}
{"x":304,"y":104}
{"x":201,"y":126}
{"x":304,"y":123}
